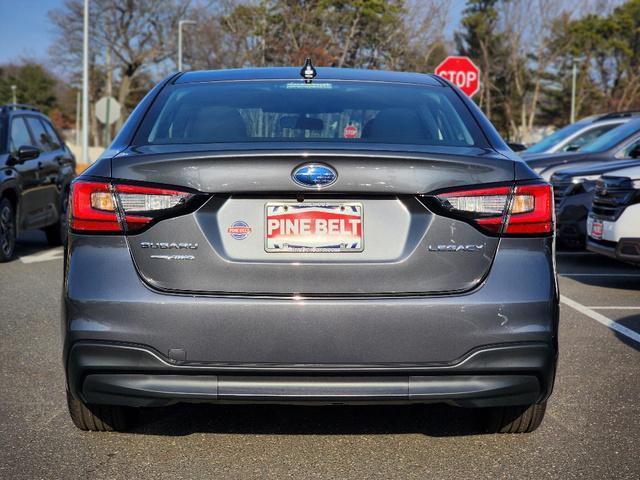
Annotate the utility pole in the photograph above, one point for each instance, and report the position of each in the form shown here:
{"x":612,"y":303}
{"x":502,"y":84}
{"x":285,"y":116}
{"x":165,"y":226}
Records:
{"x":574,"y":75}
{"x":13,"y":94}
{"x":107,"y":125}
{"x":78,"y":115}
{"x":180,"y":24}
{"x":85,"y":86}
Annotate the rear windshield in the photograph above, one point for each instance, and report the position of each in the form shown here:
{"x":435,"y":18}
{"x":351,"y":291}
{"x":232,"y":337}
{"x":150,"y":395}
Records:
{"x":281,"y":111}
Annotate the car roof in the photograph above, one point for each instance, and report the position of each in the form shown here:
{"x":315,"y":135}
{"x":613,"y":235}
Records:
{"x":618,"y":115}
{"x":323,"y":73}
{"x":597,"y":168}
{"x":18,"y":107}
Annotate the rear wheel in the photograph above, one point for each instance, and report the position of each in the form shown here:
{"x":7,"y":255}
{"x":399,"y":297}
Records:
{"x":7,"y":230}
{"x":516,"y":419}
{"x":99,"y":418}
{"x":57,"y":233}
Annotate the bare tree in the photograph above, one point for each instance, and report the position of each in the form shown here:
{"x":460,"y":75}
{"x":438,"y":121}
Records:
{"x":424,"y":43}
{"x":527,"y":29}
{"x":140,"y":34}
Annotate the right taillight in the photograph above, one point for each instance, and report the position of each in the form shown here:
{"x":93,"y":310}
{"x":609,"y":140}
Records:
{"x":531,"y":210}
{"x":509,"y":210}
{"x":105,"y":207}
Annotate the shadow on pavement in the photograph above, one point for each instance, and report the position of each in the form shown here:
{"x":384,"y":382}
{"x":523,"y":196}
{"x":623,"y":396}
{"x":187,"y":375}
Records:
{"x":431,"y":420}
{"x":632,"y":322}
{"x":30,"y":242}
{"x":603,"y":271}
{"x":619,"y":283}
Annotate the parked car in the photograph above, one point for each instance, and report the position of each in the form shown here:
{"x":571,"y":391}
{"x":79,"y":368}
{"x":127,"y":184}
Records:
{"x":316,"y":236}
{"x":576,"y":135}
{"x":614,"y":220}
{"x":34,"y":181}
{"x":621,"y":143}
{"x":573,"y":193}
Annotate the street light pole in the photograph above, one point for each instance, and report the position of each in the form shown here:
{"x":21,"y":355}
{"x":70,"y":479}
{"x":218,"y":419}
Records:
{"x":78,"y":106}
{"x":180,"y":24}
{"x":13,"y":94}
{"x":574,"y":75}
{"x":85,"y":86}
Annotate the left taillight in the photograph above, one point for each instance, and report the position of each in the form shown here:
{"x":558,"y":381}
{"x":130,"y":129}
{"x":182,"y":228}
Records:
{"x":102,"y":207}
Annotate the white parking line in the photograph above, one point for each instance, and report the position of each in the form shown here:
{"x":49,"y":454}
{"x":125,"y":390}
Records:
{"x":46,"y":256}
{"x":599,"y":274}
{"x":598,"y":317}
{"x":606,"y":307}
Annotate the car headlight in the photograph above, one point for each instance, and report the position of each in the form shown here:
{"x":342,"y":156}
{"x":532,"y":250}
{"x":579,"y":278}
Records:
{"x":586,"y":178}
{"x":636,"y":184}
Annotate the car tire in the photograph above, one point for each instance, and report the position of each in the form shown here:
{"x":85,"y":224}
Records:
{"x":516,"y":419}
{"x":99,"y":418}
{"x":7,"y":230}
{"x":58,"y":232}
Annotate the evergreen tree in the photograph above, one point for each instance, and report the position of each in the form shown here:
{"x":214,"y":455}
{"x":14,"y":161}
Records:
{"x":34,"y":85}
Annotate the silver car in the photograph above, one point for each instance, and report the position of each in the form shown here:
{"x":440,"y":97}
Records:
{"x":573,"y":137}
{"x":309,"y":236}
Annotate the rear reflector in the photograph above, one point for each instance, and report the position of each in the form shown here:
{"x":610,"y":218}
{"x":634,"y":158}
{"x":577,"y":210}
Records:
{"x":512,"y":210}
{"x":105,"y":207}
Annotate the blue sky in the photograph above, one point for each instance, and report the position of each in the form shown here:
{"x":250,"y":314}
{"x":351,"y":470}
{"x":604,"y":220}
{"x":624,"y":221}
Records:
{"x":26,"y":23}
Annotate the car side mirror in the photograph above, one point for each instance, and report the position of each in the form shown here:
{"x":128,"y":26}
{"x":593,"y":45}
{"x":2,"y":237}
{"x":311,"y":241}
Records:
{"x":572,"y":148}
{"x":516,"y":147}
{"x":24,"y":153}
{"x":27,"y":152}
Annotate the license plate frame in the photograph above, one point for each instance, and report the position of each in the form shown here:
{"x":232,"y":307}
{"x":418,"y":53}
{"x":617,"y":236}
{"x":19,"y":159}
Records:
{"x":343,"y":210}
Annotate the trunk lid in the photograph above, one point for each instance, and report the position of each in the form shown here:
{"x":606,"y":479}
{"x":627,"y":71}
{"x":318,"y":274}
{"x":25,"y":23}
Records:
{"x":225,"y":246}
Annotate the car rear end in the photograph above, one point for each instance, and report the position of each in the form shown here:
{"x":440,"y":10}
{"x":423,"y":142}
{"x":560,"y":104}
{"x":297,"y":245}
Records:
{"x":613,"y":225}
{"x":354,"y":239}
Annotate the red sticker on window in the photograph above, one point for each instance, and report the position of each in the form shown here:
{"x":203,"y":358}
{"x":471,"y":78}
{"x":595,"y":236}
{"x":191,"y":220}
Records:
{"x":350,"y":131}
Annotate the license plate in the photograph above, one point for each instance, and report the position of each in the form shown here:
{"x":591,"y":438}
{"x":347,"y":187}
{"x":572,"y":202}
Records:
{"x":596,"y":229}
{"x":313,"y":227}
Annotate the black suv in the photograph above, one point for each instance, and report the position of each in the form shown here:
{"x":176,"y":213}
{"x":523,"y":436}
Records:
{"x":36,"y":171}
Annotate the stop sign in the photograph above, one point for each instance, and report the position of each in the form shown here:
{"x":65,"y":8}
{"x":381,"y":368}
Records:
{"x":462,"y":72}
{"x":350,"y":131}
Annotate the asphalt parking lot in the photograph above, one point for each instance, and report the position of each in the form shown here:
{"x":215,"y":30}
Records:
{"x":592,"y":427}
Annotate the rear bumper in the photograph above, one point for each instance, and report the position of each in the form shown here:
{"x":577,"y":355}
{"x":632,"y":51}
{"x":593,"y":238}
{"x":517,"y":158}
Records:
{"x":125,"y":343}
{"x":516,"y":302}
{"x":129,"y":375}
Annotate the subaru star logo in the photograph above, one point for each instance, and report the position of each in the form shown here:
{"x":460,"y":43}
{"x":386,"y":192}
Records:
{"x":314,"y":175}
